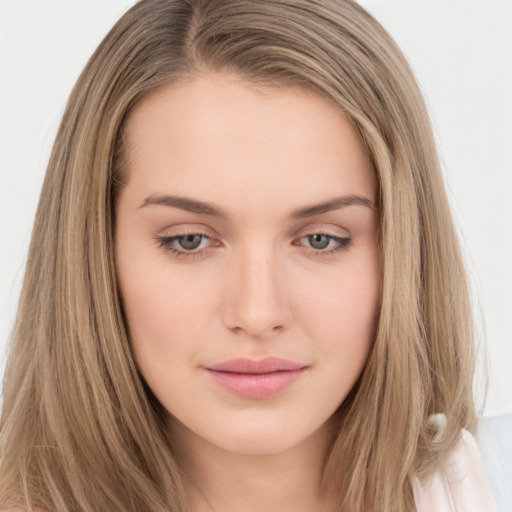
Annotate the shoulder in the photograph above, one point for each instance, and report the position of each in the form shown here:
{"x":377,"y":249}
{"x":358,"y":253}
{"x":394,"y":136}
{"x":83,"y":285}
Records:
{"x":459,"y":484}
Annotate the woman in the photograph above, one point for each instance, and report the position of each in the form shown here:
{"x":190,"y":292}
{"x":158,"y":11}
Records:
{"x":244,"y":290}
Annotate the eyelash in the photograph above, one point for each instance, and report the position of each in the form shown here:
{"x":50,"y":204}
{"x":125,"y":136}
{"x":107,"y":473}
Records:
{"x":343,"y":243}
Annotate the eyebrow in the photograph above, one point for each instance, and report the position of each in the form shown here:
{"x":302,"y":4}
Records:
{"x":185,"y":203}
{"x":203,"y":208}
{"x":332,"y":204}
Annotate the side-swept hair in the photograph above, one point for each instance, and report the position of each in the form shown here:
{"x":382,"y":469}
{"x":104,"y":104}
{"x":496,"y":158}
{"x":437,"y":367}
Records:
{"x":80,"y":430}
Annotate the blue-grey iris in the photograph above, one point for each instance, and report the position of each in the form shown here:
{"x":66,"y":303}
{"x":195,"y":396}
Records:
{"x":319,"y":241}
{"x":190,"y":242}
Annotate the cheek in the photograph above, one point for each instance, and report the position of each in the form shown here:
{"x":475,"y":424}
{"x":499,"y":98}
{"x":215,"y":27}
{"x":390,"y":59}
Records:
{"x":160,"y":307}
{"x":162,"y":313}
{"x":346,"y":309}
{"x":164,"y":332}
{"x":342,"y":320}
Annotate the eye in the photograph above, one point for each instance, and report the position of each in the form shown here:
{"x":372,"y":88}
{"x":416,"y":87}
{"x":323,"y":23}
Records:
{"x":325,"y":244}
{"x":194,"y":245}
{"x":185,"y":245}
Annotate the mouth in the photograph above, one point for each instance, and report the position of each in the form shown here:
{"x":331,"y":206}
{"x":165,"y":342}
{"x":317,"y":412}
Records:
{"x":256,"y":380}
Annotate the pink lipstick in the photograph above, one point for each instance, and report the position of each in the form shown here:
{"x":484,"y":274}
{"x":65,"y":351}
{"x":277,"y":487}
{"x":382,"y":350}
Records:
{"x":256,"y":380}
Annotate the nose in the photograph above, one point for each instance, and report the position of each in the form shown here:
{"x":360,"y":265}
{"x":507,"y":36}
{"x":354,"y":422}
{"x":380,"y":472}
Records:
{"x":256,"y":305}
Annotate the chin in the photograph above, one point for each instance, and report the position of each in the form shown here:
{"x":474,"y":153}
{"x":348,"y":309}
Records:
{"x":264,"y":437}
{"x":259,"y":444}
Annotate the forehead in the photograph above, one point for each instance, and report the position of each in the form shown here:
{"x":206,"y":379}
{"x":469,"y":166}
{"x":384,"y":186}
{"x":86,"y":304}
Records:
{"x":217,"y":132}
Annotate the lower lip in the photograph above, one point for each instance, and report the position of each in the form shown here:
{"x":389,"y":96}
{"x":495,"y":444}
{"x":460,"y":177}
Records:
{"x":256,"y":386}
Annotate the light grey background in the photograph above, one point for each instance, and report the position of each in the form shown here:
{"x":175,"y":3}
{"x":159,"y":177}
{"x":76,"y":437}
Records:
{"x":461,"y":51}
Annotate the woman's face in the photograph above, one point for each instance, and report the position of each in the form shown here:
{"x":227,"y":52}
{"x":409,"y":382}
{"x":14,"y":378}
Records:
{"x":248,"y":259}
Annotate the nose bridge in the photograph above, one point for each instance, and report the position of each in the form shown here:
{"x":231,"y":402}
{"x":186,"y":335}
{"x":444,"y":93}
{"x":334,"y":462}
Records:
{"x":257,"y":303}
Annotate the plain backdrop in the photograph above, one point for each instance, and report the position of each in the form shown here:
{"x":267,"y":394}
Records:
{"x":461,"y":52}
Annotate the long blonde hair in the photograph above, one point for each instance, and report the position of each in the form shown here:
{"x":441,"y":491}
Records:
{"x":80,"y":430}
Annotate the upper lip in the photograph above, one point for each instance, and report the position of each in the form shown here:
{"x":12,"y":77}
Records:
{"x":267,"y":365}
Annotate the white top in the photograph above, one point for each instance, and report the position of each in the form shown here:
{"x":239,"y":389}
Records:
{"x":460,"y":484}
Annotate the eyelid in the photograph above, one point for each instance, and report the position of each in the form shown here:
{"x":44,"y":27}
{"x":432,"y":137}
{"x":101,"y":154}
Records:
{"x":324,"y":229}
{"x":187,"y":229}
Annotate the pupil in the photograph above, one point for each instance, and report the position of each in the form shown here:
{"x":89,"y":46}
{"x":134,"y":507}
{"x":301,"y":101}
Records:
{"x":319,"y":241}
{"x":190,"y":242}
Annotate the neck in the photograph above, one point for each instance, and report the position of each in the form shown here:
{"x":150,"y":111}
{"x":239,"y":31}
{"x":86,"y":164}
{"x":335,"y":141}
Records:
{"x":218,"y":480}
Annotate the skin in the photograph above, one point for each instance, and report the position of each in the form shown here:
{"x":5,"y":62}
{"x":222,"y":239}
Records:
{"x":257,"y":286}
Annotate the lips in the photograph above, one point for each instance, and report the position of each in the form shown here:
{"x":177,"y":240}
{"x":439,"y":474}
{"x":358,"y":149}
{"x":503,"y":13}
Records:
{"x":256,"y":380}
